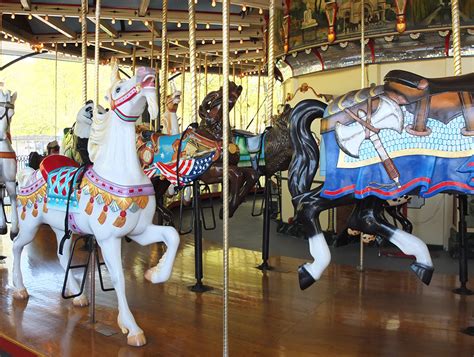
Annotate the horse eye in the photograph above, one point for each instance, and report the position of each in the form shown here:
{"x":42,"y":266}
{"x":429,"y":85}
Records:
{"x":117,"y":90}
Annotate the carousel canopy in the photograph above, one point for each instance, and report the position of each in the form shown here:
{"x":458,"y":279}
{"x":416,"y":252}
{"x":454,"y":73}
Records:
{"x":132,"y":29}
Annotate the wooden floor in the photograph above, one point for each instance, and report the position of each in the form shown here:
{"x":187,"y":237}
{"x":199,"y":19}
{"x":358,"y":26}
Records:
{"x":376,"y":313}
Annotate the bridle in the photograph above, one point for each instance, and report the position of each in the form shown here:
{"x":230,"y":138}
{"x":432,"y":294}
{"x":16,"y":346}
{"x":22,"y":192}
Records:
{"x":7,"y":106}
{"x":128,"y":96}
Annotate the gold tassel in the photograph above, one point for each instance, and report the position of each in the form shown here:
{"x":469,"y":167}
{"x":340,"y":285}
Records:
{"x":45,"y":207}
{"x":103,"y":215}
{"x":121,"y":219}
{"x":90,"y":206}
{"x":23,"y":213}
{"x":35,"y":210}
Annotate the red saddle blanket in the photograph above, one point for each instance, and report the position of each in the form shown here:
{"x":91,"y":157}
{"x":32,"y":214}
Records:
{"x":53,"y":162}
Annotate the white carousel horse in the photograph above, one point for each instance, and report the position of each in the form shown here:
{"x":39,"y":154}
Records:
{"x":170,"y":118}
{"x":7,"y":160}
{"x":113,"y":199}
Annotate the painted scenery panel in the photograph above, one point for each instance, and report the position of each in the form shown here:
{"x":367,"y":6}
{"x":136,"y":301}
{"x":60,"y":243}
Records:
{"x":310,"y":19}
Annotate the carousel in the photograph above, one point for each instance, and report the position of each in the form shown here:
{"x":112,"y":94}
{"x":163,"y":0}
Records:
{"x":204,"y":135}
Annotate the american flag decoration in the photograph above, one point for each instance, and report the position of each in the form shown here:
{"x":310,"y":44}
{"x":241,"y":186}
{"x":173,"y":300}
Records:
{"x":189,"y":169}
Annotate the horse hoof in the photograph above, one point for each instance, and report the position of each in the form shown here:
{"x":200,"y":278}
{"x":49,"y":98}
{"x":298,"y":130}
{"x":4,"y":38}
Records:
{"x":305,"y":278}
{"x":3,"y":230}
{"x":136,"y":340}
{"x":423,"y":272}
{"x":154,"y":276}
{"x":20,"y":294}
{"x":80,"y":301}
{"x":13,"y":235}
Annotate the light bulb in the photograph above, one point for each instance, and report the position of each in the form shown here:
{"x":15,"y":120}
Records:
{"x":260,"y":11}
{"x":30,"y":16}
{"x":113,"y":20}
{"x":137,"y":43}
{"x":239,"y":28}
{"x":214,"y":41}
{"x":203,"y":42}
{"x":244,"y":8}
{"x":208,"y":26}
{"x":178,"y":24}
{"x":146,"y":22}
{"x":13,"y":16}
{"x":213,"y":3}
{"x":241,"y":41}
{"x":46,"y":17}
{"x":63,"y":19}
{"x":113,"y":43}
{"x":64,"y":44}
{"x":129,"y":21}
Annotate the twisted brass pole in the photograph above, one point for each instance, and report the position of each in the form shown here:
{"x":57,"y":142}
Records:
{"x":84,"y":49}
{"x":164,"y":59}
{"x":192,"y":59}
{"x":456,"y":38}
{"x":225,"y":180}
{"x":271,"y":60}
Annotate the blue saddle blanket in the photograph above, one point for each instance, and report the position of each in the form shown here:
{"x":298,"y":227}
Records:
{"x":58,"y":186}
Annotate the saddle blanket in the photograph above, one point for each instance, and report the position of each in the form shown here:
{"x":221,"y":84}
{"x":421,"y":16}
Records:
{"x":189,"y":169}
{"x":58,"y":186}
{"x":440,"y":162}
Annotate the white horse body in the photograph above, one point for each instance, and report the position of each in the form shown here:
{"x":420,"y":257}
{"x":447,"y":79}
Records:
{"x":8,"y":160}
{"x":116,"y":173}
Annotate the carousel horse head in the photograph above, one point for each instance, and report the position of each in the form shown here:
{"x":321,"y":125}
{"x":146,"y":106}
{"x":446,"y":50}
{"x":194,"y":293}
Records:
{"x":172,"y":101}
{"x":128,"y":97}
{"x":7,"y":109}
{"x":211,"y":108}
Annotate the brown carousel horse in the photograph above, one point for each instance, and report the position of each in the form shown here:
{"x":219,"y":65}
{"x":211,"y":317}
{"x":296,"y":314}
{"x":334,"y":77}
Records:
{"x":200,"y":142}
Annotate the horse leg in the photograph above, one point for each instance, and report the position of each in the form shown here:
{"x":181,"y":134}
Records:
{"x":111,"y":248}
{"x":25,"y":236}
{"x":250,"y":179}
{"x":160,"y":187}
{"x":3,"y":220}
{"x":368,"y":218}
{"x":73,"y":286}
{"x":309,"y":207}
{"x":236,"y":179}
{"x":11,"y":189}
{"x":155,"y":234}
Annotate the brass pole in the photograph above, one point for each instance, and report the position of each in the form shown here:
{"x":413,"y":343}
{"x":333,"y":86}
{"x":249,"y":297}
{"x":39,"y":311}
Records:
{"x":84,"y":7}
{"x":225,"y":180}
{"x":271,"y":60}
{"x":192,"y":60}
{"x":164,"y":62}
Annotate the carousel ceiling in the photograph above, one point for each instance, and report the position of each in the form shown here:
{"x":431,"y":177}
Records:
{"x":132,"y":28}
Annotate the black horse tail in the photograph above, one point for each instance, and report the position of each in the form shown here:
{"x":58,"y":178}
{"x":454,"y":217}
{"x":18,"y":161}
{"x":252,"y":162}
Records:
{"x":305,"y":160}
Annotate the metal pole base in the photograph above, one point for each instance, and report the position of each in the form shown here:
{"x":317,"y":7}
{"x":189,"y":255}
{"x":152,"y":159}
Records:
{"x":199,"y":287}
{"x":360,"y":269}
{"x":265,"y":267}
{"x":463,"y":290}
{"x":468,"y":331}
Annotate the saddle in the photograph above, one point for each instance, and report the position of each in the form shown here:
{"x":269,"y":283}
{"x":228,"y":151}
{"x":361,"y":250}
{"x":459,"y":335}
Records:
{"x":53,"y":162}
{"x":441,"y":99}
{"x":252,"y":144}
{"x":438,"y":98}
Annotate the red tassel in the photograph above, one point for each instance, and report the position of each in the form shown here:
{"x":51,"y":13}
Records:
{"x":121,"y":219}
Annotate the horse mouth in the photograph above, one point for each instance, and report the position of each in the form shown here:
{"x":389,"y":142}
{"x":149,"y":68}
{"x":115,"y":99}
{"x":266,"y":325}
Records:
{"x":149,"y":81}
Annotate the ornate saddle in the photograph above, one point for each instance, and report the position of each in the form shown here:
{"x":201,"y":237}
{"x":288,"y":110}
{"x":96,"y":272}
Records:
{"x":442,"y":99}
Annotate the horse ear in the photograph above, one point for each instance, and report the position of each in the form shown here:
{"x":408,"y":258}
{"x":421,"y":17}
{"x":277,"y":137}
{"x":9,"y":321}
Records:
{"x":115,"y":77}
{"x":13,"y":98}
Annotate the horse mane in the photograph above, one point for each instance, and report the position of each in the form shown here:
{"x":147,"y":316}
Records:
{"x":99,"y":129}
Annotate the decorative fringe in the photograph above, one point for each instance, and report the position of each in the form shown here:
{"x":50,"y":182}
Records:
{"x":23,"y":213}
{"x":45,"y":206}
{"x":121,"y":219}
{"x":90,"y":206}
{"x":35,"y":210}
{"x":103,"y":215}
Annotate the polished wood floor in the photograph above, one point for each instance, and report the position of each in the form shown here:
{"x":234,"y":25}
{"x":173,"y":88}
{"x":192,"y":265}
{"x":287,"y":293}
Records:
{"x":347,"y":313}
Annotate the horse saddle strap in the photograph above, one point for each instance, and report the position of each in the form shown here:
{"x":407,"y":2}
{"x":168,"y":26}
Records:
{"x":468,"y":112}
{"x":7,"y":155}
